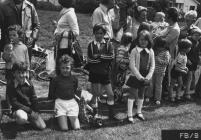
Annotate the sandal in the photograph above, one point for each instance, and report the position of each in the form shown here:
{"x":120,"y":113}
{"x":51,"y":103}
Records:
{"x":140,"y":116}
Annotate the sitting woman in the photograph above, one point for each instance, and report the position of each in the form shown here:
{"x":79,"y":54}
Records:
{"x":23,"y":99}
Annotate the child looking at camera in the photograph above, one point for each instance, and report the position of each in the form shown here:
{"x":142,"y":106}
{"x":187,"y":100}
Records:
{"x":63,"y":88}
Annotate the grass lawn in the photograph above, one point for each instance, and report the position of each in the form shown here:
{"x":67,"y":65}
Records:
{"x":182,"y":116}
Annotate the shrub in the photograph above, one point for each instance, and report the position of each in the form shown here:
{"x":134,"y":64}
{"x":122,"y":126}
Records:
{"x":86,"y":6}
{"x":45,"y":5}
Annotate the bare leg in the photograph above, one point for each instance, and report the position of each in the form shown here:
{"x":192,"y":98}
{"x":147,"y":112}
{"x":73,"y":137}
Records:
{"x":63,"y":123}
{"x":74,"y":122}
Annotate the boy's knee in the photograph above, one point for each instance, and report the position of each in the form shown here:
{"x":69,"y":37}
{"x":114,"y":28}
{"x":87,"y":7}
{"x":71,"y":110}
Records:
{"x":21,"y":117}
{"x":39,"y":123}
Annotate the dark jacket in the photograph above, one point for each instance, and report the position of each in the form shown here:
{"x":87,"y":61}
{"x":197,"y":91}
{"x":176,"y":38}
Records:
{"x":102,"y":63}
{"x":193,"y":55}
{"x":22,"y":96}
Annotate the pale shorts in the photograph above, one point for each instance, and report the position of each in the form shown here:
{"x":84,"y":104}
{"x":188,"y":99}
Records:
{"x":66,"y":107}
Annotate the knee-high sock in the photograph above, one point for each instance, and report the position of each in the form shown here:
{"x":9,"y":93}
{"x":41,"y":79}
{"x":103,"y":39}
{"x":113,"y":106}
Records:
{"x":130,"y":107}
{"x":139,"y":105}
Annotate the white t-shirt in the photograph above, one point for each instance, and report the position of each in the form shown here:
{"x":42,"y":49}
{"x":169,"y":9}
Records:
{"x":181,"y":61}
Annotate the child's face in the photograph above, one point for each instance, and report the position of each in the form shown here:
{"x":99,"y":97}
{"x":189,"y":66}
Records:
{"x":20,"y":76}
{"x":99,"y":35}
{"x":65,"y":69}
{"x":143,"y":42}
{"x":196,"y":36}
{"x":13,"y":36}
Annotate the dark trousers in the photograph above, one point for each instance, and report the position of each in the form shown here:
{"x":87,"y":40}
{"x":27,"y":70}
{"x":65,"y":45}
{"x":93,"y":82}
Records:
{"x":198,"y":87}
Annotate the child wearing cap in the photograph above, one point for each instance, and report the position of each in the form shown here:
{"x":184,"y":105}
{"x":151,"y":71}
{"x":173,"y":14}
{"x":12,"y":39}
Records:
{"x":193,"y":59}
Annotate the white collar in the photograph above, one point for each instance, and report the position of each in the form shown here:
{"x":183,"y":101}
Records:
{"x":25,"y":4}
{"x":140,"y":49}
{"x":104,"y":8}
{"x":102,"y":41}
{"x":25,"y":82}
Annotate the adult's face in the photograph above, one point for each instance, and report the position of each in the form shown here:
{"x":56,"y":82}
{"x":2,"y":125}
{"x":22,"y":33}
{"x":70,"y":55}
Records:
{"x":190,"y":20}
{"x":18,"y":1}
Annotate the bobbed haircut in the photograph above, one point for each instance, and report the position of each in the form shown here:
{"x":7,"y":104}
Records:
{"x":173,"y":14}
{"x":18,"y":29}
{"x":147,"y":36}
{"x":184,"y":44}
{"x":64,"y":59}
{"x":98,"y":27}
{"x":66,"y":3}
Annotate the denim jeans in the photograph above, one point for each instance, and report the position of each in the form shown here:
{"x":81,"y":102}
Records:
{"x":157,"y":85}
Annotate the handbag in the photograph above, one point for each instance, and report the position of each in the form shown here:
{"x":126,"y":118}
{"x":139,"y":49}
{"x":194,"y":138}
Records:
{"x":135,"y":83}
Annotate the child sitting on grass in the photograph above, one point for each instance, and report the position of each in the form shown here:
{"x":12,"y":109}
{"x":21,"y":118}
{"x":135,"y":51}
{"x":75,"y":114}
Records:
{"x":23,"y":98}
{"x":179,"y":68}
{"x":63,"y":88}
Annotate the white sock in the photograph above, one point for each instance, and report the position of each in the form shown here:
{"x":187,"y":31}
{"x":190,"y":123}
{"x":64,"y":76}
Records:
{"x":139,"y":105}
{"x":130,"y":107}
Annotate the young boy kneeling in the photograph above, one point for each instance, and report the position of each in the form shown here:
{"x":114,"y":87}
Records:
{"x":23,"y":99}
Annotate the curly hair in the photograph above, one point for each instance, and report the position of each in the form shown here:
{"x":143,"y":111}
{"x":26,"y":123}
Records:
{"x":65,"y":59}
{"x":18,"y":29}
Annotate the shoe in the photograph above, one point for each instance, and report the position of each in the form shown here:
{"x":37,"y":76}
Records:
{"x":140,"y":116}
{"x":158,"y":103}
{"x":130,"y":119}
{"x":172,"y":99}
{"x":188,"y":97}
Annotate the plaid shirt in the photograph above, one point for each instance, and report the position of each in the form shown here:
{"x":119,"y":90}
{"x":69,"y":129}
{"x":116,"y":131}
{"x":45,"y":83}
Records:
{"x":161,"y":61}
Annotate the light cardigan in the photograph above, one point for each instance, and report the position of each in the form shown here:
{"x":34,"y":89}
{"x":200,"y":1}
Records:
{"x":135,"y":63}
{"x":67,"y":21}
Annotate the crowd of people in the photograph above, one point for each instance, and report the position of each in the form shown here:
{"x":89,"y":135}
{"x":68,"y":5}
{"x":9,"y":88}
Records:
{"x":154,"y":58}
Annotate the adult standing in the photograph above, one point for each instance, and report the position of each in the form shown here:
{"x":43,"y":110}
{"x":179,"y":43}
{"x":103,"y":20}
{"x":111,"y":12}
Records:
{"x":23,"y":13}
{"x":171,"y":36}
{"x":139,"y":15}
{"x":190,"y":18}
{"x":108,"y":15}
{"x":67,"y":23}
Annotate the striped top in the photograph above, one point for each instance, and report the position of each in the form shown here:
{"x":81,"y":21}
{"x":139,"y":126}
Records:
{"x":161,"y":61}
{"x":100,"y":56}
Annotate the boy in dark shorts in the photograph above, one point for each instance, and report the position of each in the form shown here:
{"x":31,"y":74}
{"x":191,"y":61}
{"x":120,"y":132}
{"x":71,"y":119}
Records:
{"x":100,"y":55}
